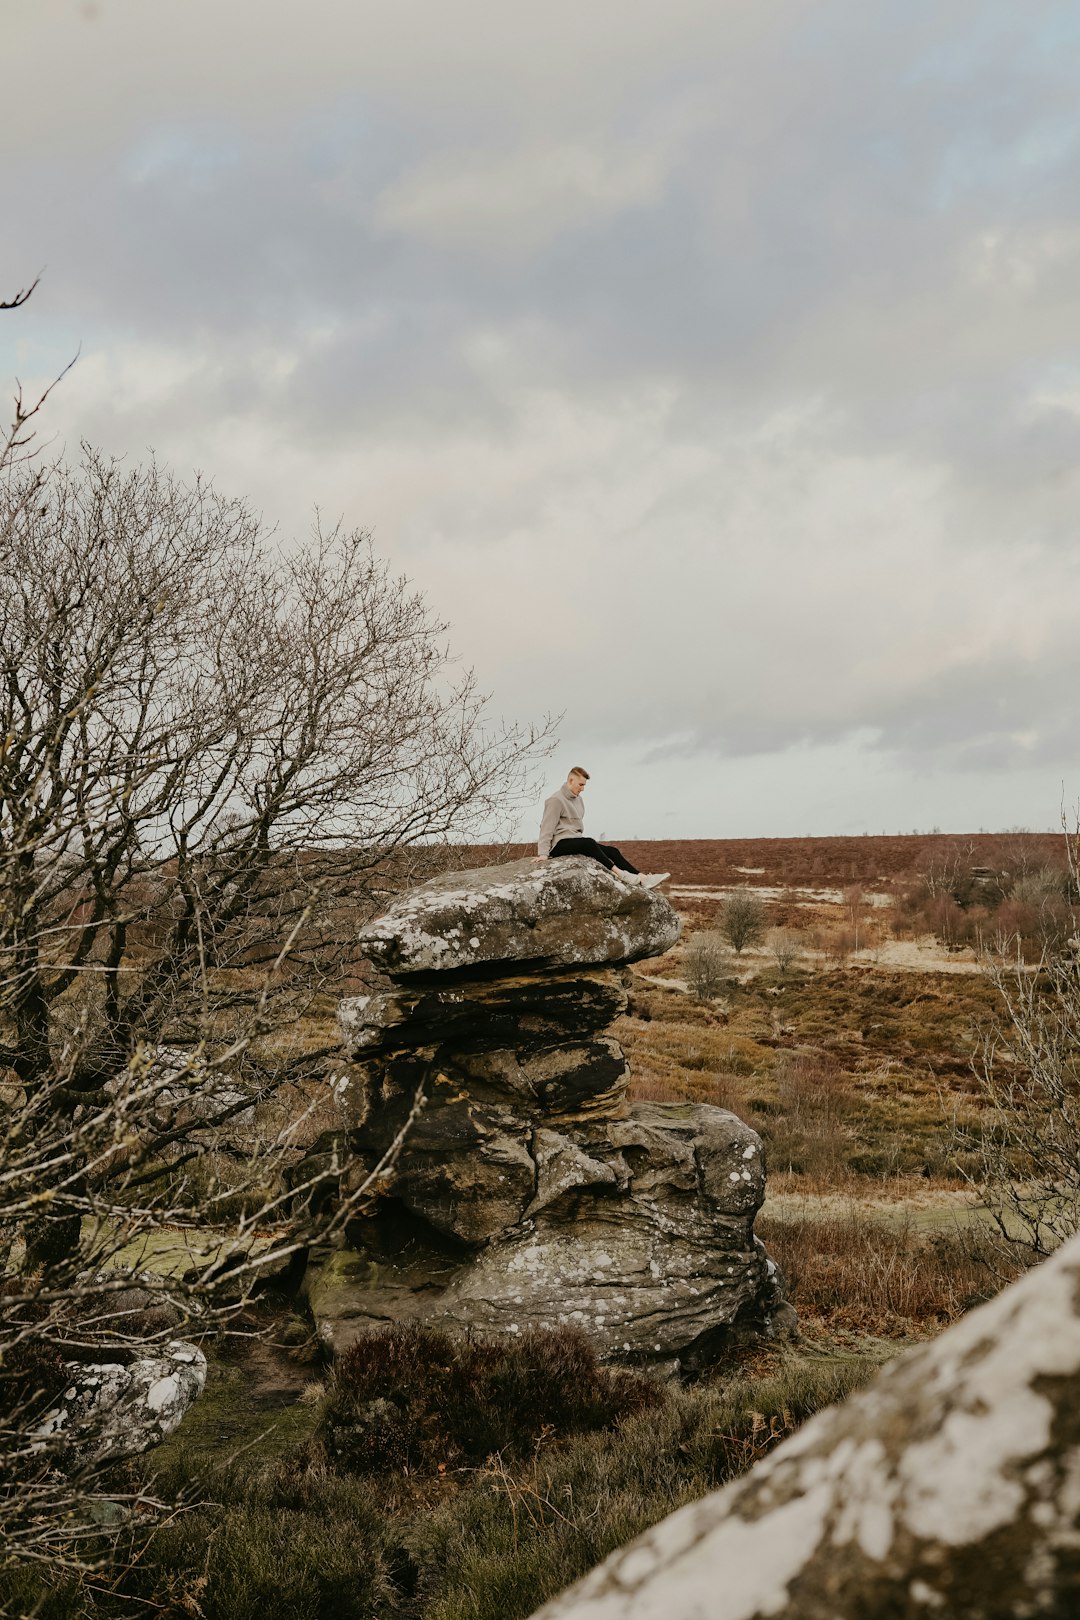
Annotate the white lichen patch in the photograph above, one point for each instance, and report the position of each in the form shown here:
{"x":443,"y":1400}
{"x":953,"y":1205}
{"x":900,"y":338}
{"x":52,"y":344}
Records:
{"x":163,"y":1393}
{"x":517,"y":912}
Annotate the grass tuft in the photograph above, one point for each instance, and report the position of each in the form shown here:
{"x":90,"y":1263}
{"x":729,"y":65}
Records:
{"x":411,"y":1397}
{"x":865,"y":1274}
{"x":287,"y":1537}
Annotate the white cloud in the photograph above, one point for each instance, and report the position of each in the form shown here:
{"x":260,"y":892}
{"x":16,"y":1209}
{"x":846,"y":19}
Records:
{"x":746,"y":591}
{"x":712,"y":367}
{"x":515,"y":202}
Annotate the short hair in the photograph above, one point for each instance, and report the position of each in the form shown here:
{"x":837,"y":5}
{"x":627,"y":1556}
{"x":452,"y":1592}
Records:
{"x":578,"y":770}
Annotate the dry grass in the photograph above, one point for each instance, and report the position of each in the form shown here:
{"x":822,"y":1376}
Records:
{"x":811,"y":1128}
{"x":263,"y":1534}
{"x":848,"y":1075}
{"x":864,"y":1274}
{"x":873,"y":861}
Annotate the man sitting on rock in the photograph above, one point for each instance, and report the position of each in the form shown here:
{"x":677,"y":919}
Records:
{"x":562,"y":833}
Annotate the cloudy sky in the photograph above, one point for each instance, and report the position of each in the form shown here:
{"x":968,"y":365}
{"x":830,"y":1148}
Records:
{"x":712,"y":365}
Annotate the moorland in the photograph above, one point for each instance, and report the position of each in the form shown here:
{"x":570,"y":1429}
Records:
{"x":848,"y":1029}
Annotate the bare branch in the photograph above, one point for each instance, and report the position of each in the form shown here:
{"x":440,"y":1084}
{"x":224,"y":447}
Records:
{"x":213,"y":758}
{"x":21,"y":296}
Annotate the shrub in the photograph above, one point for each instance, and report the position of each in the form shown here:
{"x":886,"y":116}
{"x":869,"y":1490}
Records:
{"x":414,"y":1398}
{"x":705,"y":961}
{"x":806,"y":1131}
{"x":879,"y":1276}
{"x":1040,"y":884}
{"x":784,"y":944}
{"x":742,"y":920}
{"x":1030,"y":910}
{"x":838,"y":944}
{"x":264,"y":1539}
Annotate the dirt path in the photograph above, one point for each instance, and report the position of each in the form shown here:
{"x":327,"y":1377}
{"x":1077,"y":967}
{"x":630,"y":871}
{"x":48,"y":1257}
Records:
{"x":925,"y":955}
{"x":934,"y":1210}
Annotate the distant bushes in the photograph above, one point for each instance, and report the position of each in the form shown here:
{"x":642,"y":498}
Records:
{"x":705,"y":962}
{"x":1032,"y":908}
{"x":742,"y":920}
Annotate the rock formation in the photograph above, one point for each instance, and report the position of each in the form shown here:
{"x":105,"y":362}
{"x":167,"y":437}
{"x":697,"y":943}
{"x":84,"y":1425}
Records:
{"x":111,"y":1410}
{"x":949,"y":1488}
{"x":529,"y":1192}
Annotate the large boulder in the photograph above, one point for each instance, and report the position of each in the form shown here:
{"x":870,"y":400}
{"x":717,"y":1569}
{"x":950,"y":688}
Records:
{"x":949,"y":1488}
{"x":558,"y":913}
{"x":636,"y":1229}
{"x":529,"y":1191}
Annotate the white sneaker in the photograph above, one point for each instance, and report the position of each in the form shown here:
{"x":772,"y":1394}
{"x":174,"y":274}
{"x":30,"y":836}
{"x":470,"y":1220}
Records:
{"x":633,"y":878}
{"x":653,"y":880}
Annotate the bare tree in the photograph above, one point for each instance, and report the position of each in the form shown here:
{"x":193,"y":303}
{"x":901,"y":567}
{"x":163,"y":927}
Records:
{"x":21,"y":297}
{"x":204,"y":742}
{"x":855,"y":909}
{"x":213,"y":755}
{"x":705,"y":964}
{"x":742,"y":920}
{"x":17,"y":446}
{"x":1024,"y":1150}
{"x":784,"y":944}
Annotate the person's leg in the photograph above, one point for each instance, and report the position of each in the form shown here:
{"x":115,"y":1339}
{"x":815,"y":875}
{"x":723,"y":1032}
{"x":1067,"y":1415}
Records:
{"x":617,"y":858}
{"x":583,"y":846}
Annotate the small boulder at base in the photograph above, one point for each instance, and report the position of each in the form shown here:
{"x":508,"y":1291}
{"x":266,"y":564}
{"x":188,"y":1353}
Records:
{"x":948,"y":1489}
{"x":110,"y":1410}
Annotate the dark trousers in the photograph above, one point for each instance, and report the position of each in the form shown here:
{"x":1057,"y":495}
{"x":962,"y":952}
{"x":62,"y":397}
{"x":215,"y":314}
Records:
{"x":606,"y":854}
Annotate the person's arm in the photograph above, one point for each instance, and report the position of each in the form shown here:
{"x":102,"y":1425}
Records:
{"x":547,"y":827}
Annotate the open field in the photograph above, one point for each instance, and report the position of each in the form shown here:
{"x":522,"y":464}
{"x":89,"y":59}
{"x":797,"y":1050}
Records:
{"x":882,"y":862}
{"x":851,"y":1052}
{"x":847,"y":1060}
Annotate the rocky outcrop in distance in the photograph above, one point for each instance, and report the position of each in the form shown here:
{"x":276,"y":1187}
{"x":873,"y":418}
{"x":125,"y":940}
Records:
{"x":530,"y":1192}
{"x":949,"y":1488}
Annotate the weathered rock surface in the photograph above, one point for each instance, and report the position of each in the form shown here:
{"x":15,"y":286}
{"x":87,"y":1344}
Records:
{"x":491,"y":1012}
{"x":637,"y":1230}
{"x":545,"y":913}
{"x":949,"y":1488}
{"x":110,"y":1410}
{"x":529,"y":1191}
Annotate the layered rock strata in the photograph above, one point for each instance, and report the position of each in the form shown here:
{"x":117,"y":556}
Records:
{"x":529,"y":1191}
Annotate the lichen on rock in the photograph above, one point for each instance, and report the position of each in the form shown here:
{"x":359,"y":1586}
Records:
{"x":530,"y":1191}
{"x":545,"y":913}
{"x":110,"y":1410}
{"x":950,"y":1487}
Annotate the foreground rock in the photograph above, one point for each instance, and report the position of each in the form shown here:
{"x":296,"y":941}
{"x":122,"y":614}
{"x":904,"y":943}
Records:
{"x":529,"y":1192}
{"x":110,"y":1411}
{"x":949,"y":1488}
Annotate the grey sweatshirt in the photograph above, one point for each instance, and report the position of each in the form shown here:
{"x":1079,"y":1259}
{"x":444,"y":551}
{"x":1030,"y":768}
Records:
{"x":564,"y":817}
